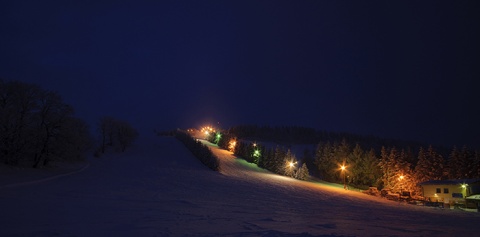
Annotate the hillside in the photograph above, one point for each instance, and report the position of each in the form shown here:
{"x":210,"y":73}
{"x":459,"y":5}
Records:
{"x":159,"y":189}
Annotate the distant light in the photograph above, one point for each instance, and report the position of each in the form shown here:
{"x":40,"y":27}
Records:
{"x":343,"y":167}
{"x":401,"y":177}
{"x":254,"y":144}
{"x":231,"y":145}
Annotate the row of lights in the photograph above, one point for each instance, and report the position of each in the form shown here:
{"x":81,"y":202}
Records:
{"x":207,"y":130}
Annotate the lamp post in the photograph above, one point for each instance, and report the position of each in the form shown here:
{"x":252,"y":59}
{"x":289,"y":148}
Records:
{"x":401,"y":185}
{"x":464,"y":187}
{"x":343,"y":167}
{"x":290,"y":169}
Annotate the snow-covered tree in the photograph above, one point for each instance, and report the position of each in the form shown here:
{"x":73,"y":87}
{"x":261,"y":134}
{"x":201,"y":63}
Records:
{"x":357,"y":168}
{"x":290,"y":162}
{"x":476,"y":165}
{"x":457,"y":164}
{"x":326,"y":162}
{"x":385,"y":167}
{"x":302,"y":173}
{"x":422,"y":169}
{"x":437,"y":164}
{"x":278,"y":162}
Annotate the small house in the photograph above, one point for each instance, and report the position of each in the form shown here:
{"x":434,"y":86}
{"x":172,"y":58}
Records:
{"x":454,"y":191}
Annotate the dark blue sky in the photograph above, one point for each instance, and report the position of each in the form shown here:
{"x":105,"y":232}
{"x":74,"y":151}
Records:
{"x":400,"y":69}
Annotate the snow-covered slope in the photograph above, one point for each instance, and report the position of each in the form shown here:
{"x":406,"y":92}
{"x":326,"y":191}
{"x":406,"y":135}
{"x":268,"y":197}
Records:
{"x":160,"y":189}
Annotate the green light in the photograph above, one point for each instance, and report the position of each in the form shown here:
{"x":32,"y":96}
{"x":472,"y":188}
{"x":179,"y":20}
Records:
{"x":217,"y":137}
{"x":256,"y":153}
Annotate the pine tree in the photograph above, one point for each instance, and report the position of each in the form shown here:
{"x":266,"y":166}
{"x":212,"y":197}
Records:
{"x":290,"y":162}
{"x":437,"y":164}
{"x":467,"y":163}
{"x":302,"y":173}
{"x":261,"y":158}
{"x":278,"y":160}
{"x":458,"y":164}
{"x":357,"y":167}
{"x":373,"y":173}
{"x":422,"y":168}
{"x":404,"y":178}
{"x":385,"y":167}
{"x":325,"y":162}
{"x":476,"y":164}
{"x":269,"y":160}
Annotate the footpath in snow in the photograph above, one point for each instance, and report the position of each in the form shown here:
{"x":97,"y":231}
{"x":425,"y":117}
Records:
{"x":159,"y":189}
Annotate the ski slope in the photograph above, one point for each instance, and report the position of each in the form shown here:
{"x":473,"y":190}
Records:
{"x":159,"y":189}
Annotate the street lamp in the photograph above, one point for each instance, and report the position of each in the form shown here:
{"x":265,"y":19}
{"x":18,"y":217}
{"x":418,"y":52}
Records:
{"x":401,"y":184}
{"x":343,"y":168}
{"x":464,"y":187}
{"x":231,"y":145}
{"x":290,"y":168}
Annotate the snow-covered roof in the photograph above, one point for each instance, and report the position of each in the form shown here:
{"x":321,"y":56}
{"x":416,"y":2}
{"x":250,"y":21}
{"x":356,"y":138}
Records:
{"x":475,"y":197}
{"x":450,"y":182}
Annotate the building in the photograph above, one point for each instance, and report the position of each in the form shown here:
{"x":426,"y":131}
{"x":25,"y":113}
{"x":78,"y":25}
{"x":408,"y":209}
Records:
{"x":452,"y":192}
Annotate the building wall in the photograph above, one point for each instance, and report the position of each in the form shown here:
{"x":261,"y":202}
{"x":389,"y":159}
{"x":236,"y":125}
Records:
{"x":452,"y":196}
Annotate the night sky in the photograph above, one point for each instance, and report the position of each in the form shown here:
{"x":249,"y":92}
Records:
{"x":397,"y":69}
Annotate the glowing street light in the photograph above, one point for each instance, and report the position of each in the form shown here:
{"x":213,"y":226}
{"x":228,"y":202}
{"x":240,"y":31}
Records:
{"x":231,"y":145}
{"x":343,"y":168}
{"x":401,"y":184}
{"x":464,"y":187}
{"x":218,"y":137}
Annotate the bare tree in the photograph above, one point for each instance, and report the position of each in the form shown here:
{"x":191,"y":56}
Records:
{"x":115,"y":133}
{"x":126,"y":135}
{"x":106,"y":128}
{"x":34,"y":124}
{"x":74,"y":140}
{"x":52,"y":115}
{"x":18,"y":103}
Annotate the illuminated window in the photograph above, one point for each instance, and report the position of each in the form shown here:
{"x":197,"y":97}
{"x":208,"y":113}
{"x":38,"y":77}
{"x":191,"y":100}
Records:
{"x":439,"y":190}
{"x":445,"y":190}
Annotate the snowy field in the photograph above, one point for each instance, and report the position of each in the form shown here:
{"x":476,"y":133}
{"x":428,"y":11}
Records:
{"x":159,"y":189}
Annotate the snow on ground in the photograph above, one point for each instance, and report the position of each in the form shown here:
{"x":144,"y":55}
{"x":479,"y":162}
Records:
{"x":160,"y":189}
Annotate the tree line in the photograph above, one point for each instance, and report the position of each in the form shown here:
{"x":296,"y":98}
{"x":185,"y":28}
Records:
{"x":279,"y":160}
{"x":291,"y":135}
{"x":392,"y":167}
{"x":38,"y":128}
{"x":199,"y":150}
{"x":116,"y":134}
